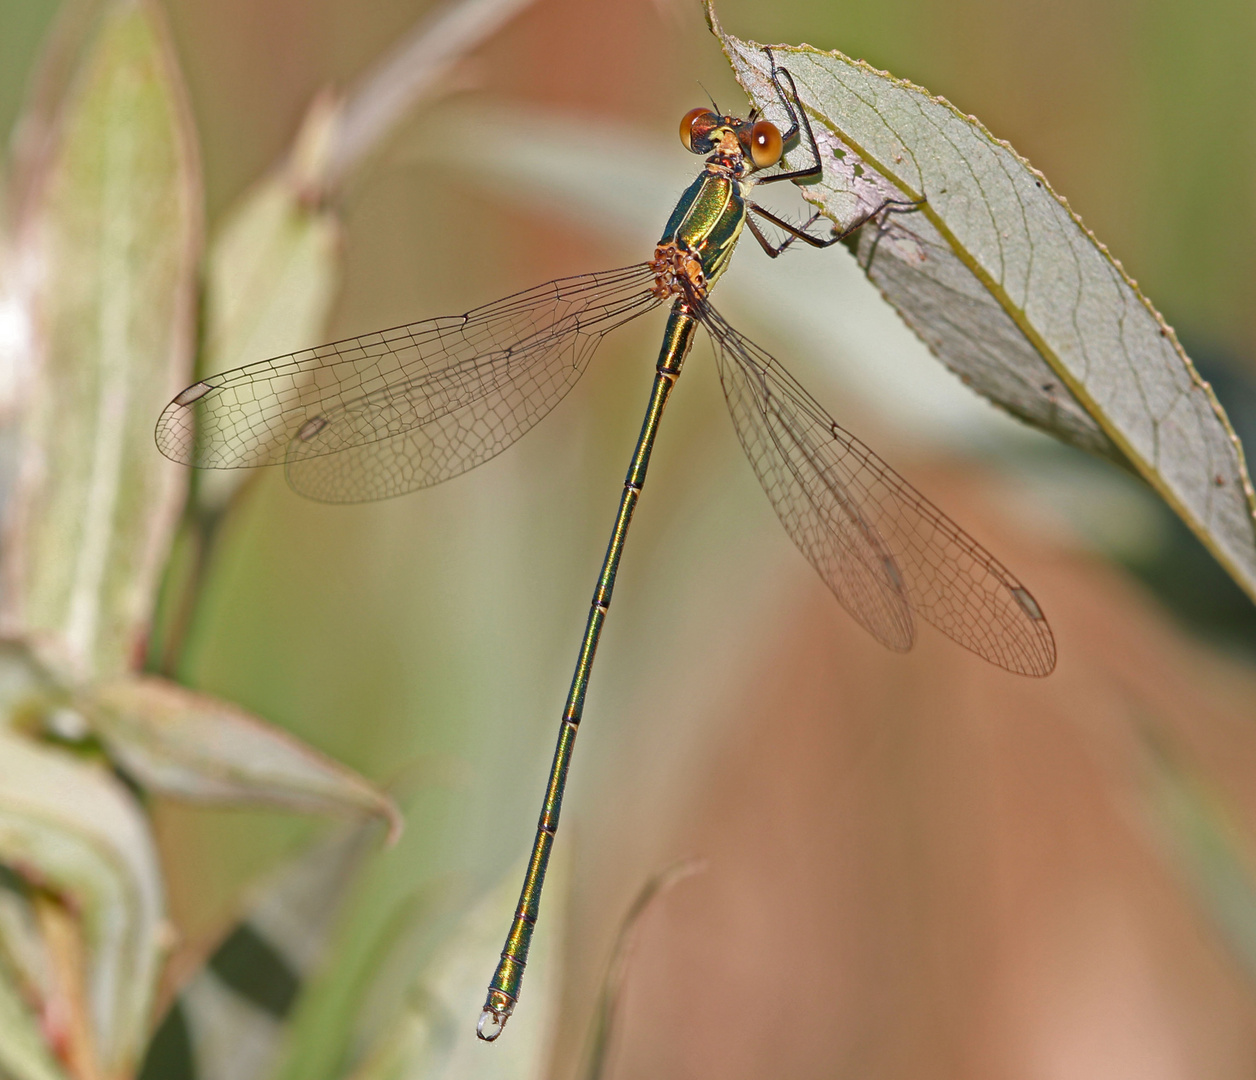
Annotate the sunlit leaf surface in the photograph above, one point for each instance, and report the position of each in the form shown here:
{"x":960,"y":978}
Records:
{"x":116,"y":233}
{"x":193,"y":746}
{"x":1000,"y":278}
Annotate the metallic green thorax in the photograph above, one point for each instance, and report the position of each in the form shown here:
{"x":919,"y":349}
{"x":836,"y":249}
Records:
{"x":708,"y":221}
{"x":705,"y":225}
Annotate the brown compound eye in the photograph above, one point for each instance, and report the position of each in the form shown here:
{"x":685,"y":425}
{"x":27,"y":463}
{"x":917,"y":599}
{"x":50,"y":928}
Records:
{"x":686,"y":127}
{"x":765,"y":144}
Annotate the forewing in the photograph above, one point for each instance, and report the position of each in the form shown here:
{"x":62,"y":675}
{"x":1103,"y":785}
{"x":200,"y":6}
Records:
{"x":881,"y":546}
{"x":406,"y":407}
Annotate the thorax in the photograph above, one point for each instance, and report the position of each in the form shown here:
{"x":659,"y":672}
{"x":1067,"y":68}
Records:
{"x":708,"y":220}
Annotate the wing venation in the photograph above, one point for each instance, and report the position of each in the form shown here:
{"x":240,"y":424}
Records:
{"x":410,"y":406}
{"x":884,"y":549}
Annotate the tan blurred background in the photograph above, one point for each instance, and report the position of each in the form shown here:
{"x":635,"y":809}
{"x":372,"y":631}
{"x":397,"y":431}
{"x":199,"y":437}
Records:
{"x":916,"y":866}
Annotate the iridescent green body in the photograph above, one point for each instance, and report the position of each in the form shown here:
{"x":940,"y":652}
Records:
{"x":702,"y":232}
{"x":708,"y":220}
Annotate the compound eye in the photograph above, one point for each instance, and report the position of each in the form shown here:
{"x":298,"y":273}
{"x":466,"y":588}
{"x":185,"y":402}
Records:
{"x":686,"y":127}
{"x":765,"y":144}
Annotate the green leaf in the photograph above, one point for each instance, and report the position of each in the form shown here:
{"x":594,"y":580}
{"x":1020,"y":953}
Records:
{"x":115,"y":234}
{"x":196,"y":747}
{"x":1009,"y":289}
{"x":73,"y":829}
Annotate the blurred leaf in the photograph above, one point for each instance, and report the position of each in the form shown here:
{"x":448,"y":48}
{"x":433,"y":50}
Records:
{"x":272,"y":268}
{"x":231,"y":1011}
{"x":68,"y":1013}
{"x":116,"y":233}
{"x":1208,"y":848}
{"x":295,"y":910}
{"x":23,"y":1053}
{"x":193,"y":746}
{"x":21,"y":948}
{"x":606,"y":1012}
{"x":73,"y":829}
{"x":15,"y":347}
{"x":272,"y":271}
{"x":1004,"y":283}
{"x":28,"y":692}
{"x":230,"y":1038}
{"x":433,"y":1034}
{"x":272,"y":274}
{"x":34,"y":130}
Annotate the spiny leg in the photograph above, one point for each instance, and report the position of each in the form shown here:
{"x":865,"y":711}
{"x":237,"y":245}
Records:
{"x":797,"y":232}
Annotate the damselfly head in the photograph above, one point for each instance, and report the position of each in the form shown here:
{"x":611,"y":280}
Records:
{"x":757,"y":141}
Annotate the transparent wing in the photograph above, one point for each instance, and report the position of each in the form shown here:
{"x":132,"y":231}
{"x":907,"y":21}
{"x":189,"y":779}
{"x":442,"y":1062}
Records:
{"x":385,"y":413}
{"x":881,"y":546}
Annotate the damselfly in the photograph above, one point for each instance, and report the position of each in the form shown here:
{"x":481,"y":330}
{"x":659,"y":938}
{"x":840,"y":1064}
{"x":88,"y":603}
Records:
{"x":402,"y":409}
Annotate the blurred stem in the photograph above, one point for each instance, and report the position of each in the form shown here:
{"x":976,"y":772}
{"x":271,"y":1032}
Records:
{"x":607,"y":1008}
{"x":70,"y":1020}
{"x":412,"y":71}
{"x":186,"y":575}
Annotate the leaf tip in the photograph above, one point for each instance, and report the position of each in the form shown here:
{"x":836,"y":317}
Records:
{"x":393,"y":818}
